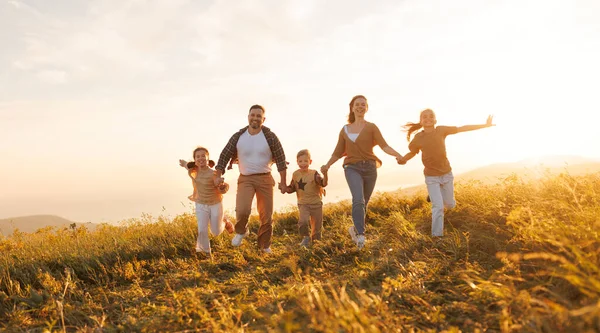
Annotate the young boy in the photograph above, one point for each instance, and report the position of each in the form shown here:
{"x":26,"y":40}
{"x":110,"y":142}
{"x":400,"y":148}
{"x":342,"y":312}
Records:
{"x":309,"y":187}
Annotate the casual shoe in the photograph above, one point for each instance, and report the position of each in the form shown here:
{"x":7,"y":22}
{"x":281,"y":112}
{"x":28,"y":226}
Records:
{"x":228,"y":226}
{"x":267,"y":250}
{"x":305,"y":241}
{"x":428,"y":199}
{"x":352,"y":233}
{"x":360,"y":242}
{"x":237,"y":239}
{"x":199,"y":250}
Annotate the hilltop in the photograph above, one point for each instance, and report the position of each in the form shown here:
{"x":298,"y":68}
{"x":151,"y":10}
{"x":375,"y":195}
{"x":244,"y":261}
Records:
{"x":527,"y":169}
{"x":517,"y":256}
{"x":32,"y":223}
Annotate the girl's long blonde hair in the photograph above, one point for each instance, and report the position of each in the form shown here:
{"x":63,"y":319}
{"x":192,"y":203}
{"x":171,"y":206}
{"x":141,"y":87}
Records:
{"x":410,"y":128}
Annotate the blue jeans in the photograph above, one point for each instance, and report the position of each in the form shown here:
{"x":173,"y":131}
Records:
{"x":361,"y":177}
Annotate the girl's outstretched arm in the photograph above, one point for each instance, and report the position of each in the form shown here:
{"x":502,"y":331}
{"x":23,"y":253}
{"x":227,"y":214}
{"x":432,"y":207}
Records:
{"x":488,"y":123}
{"x":183,"y":164}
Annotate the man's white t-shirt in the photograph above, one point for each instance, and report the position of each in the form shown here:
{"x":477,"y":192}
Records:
{"x":254,"y":154}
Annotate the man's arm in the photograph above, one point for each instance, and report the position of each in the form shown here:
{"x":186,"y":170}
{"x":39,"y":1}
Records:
{"x":226,"y":155}
{"x":278,"y":153}
{"x":283,"y":183}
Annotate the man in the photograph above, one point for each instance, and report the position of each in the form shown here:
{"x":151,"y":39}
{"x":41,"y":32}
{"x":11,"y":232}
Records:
{"x":254,"y":148}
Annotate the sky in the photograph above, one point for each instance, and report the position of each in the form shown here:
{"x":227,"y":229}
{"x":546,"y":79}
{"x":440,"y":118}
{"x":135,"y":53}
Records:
{"x":99,"y":99}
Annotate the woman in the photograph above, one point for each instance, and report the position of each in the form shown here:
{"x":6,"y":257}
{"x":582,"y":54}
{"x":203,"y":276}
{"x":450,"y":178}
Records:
{"x":356,"y":142}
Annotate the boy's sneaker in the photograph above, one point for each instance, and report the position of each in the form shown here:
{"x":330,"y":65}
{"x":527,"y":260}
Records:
{"x":360,"y":242}
{"x":305,"y":241}
{"x":267,"y":250}
{"x":237,"y":239}
{"x":352,"y":233}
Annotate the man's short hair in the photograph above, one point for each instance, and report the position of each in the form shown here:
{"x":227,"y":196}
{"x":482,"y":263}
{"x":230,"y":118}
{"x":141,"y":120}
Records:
{"x":256,"y":106}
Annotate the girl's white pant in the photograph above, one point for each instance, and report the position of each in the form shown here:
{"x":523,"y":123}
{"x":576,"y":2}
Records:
{"x":208,"y":215}
{"x":441,"y":194}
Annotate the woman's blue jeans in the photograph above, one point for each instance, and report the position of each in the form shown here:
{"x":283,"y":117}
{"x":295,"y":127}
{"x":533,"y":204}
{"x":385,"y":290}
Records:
{"x":361,"y":177}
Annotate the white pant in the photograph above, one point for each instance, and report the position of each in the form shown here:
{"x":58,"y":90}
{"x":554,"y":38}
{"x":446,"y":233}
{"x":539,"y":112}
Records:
{"x":441,"y":194}
{"x":204,"y":215}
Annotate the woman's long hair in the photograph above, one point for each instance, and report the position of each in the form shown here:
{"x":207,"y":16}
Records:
{"x":351,"y":118}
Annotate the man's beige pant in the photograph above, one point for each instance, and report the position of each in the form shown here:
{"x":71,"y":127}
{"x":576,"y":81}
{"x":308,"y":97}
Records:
{"x":314,"y":215}
{"x":262,"y":187}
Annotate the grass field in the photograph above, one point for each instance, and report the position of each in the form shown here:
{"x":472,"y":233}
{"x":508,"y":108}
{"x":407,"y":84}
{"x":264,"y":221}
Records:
{"x":516,"y":257}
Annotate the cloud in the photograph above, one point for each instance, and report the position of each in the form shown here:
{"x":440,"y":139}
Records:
{"x":53,"y":76}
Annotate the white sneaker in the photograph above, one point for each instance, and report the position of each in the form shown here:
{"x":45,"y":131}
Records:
{"x":360,"y":242}
{"x":305,"y":241}
{"x":352,"y":233}
{"x":237,"y":239}
{"x":267,"y":250}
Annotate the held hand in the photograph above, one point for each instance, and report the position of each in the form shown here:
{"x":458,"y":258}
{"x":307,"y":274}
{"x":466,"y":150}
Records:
{"x":218,"y":181}
{"x":489,"y":122}
{"x":222,"y":188}
{"x":282,"y":188}
{"x":401,"y":160}
{"x":182,"y":163}
{"x":324,"y":168}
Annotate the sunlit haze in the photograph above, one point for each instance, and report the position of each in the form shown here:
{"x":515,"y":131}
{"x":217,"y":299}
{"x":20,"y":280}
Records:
{"x":100,"y":99}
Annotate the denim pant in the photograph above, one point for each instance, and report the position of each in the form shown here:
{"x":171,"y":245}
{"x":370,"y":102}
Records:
{"x":441,"y":194}
{"x":361,"y":177}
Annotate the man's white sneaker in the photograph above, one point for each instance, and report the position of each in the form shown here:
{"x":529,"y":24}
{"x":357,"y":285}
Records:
{"x":267,"y":250}
{"x":360,"y":242}
{"x":237,"y":239}
{"x":352,"y":233}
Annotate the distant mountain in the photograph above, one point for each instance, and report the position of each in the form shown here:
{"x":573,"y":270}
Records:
{"x":34,"y":222}
{"x":531,"y":168}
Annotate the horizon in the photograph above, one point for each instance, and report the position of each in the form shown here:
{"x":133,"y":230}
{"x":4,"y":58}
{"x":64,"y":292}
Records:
{"x":102,"y":98}
{"x":285,"y":202}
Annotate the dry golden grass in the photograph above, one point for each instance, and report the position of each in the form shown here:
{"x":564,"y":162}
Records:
{"x":516,"y":257}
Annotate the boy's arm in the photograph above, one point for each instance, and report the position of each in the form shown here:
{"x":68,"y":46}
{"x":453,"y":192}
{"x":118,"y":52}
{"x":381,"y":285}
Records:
{"x":321,"y":180}
{"x":292,"y":187}
{"x":466,"y":128}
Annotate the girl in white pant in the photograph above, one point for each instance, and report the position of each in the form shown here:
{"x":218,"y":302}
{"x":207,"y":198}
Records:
{"x":431,"y":141}
{"x":208,"y":198}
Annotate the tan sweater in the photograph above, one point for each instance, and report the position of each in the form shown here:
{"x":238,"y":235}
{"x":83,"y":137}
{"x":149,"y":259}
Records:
{"x":308,"y":187}
{"x":205,"y":191}
{"x":362,"y":148}
{"x":433,"y":147}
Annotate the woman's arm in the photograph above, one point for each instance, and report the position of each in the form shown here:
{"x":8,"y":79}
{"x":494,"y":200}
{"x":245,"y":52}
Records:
{"x":338,"y":152}
{"x":390,"y":151}
{"x":466,"y":128}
